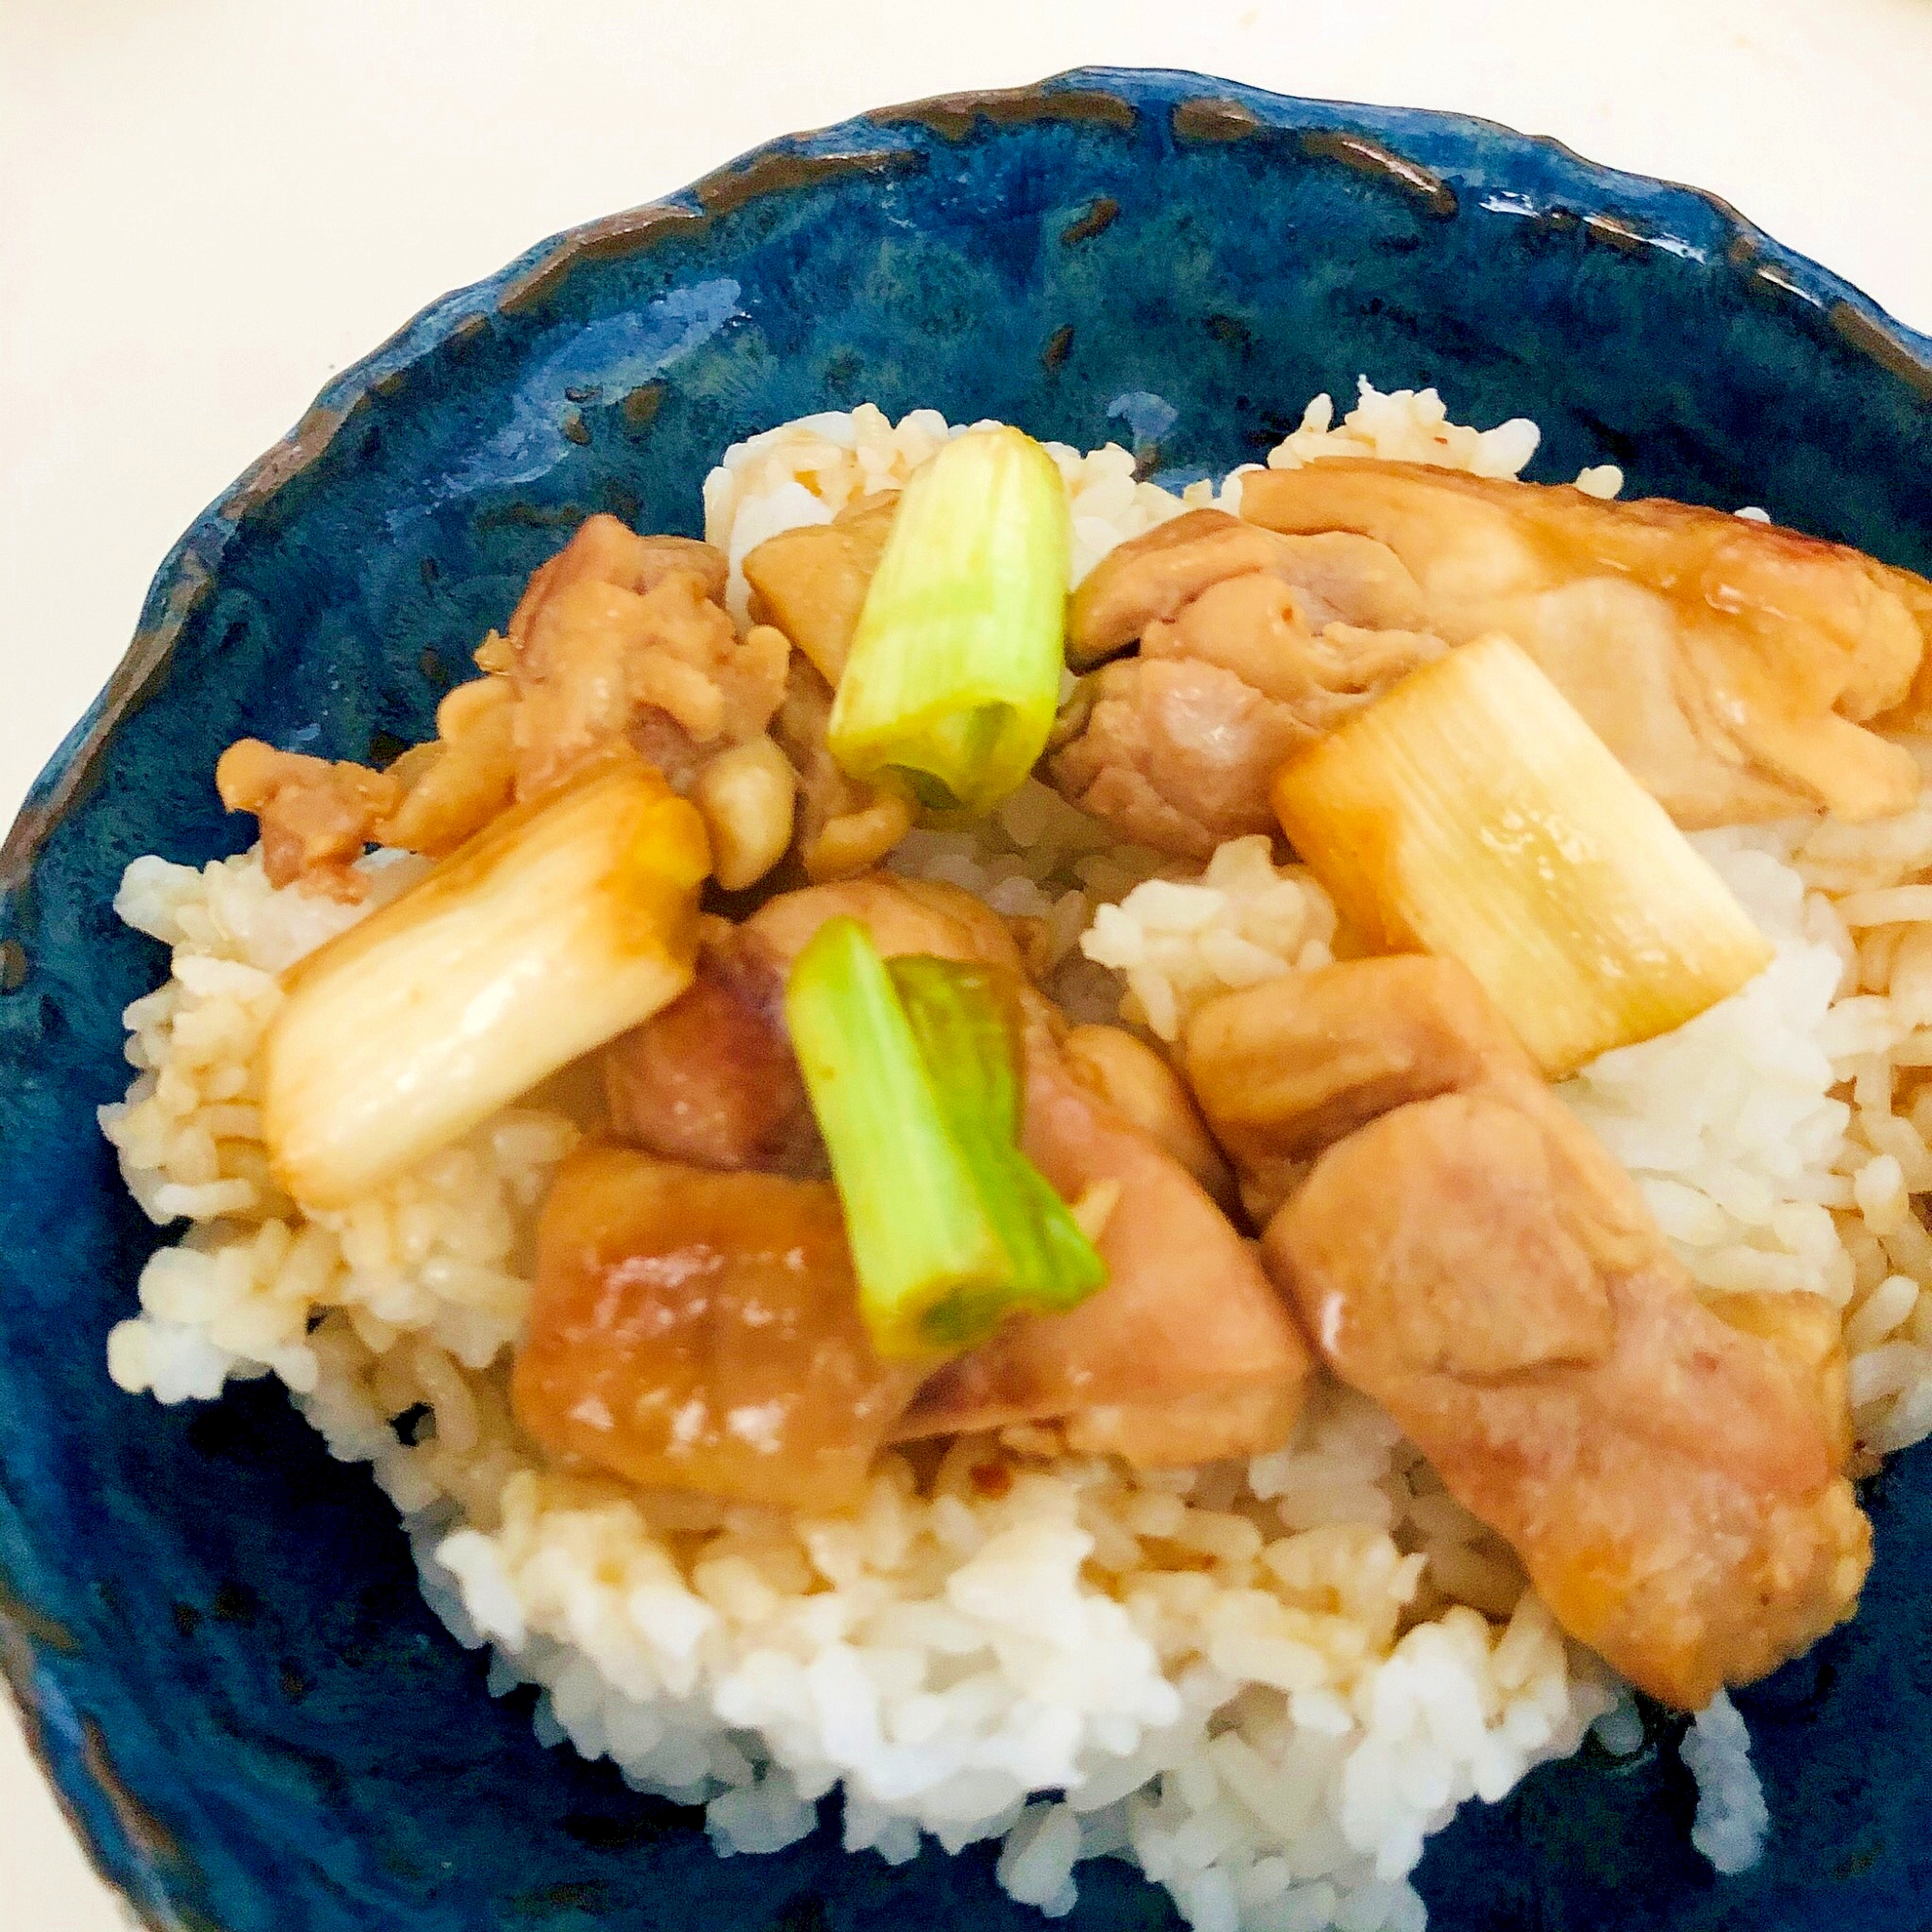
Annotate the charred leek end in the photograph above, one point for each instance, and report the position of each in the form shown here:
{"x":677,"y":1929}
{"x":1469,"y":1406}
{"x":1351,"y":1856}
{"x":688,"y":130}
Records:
{"x":563,"y":923}
{"x":1472,"y":814}
{"x":950,"y":688}
{"x":919,"y":1099}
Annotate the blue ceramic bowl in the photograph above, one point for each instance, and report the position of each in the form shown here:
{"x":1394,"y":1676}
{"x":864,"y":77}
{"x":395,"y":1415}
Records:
{"x":256,"y":1724}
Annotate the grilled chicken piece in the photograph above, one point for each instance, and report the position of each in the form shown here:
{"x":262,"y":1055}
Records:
{"x":1251,"y":644}
{"x":1260,"y":629}
{"x":1141,"y":1086}
{"x":1173,"y":755}
{"x":606,"y":551}
{"x":1471,"y":1259}
{"x":701,"y":1332}
{"x":1281,"y":1078}
{"x":664,"y":670}
{"x":617,"y":637}
{"x":620,"y":635}
{"x":1730,"y":664}
{"x":812,"y":582}
{"x":1672,"y":1487}
{"x":1176,"y":747}
{"x":1186,"y":1354}
{"x":315,"y":817}
{"x":711,"y":1080}
{"x":1809,"y":1339}
{"x":455,"y":785}
{"x":843,"y":827}
{"x":902,"y":915}
{"x":1152,"y":577}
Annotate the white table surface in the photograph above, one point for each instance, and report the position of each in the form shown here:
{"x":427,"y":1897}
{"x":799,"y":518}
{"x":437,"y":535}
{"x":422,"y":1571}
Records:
{"x":208,"y":206}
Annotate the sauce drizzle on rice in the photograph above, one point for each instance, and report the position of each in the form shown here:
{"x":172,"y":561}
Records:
{"x":1263,"y":1681}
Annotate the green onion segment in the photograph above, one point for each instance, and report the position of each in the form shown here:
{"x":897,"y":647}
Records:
{"x":914,"y":1069}
{"x":966,"y":1021}
{"x":950,"y":686}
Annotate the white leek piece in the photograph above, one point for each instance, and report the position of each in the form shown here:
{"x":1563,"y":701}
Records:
{"x":951,"y":685}
{"x":563,"y":923}
{"x":1471,"y":813}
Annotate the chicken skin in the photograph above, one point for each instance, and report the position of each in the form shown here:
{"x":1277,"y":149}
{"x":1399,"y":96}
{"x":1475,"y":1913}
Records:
{"x":701,"y":1332}
{"x":1176,"y":746}
{"x":1152,"y":579}
{"x":620,"y":635}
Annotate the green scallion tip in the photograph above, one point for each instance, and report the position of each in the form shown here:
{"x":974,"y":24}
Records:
{"x":954,"y":675}
{"x":915,"y":1073}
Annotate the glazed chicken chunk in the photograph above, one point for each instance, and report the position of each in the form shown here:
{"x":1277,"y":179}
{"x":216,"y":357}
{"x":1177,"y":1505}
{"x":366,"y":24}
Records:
{"x":618,"y":639}
{"x":1152,"y":577}
{"x":1186,"y":1354}
{"x":812,"y":582}
{"x":843,"y":827}
{"x":1281,"y":1076}
{"x":1730,"y":664}
{"x":701,"y":1332}
{"x":621,"y":636}
{"x":1251,"y":645}
{"x":1466,"y":1254}
{"x":316,"y":815}
{"x":712,"y":1079}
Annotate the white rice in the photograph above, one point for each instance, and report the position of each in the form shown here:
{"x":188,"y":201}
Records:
{"x":1731,"y":1821}
{"x":1408,"y":426}
{"x":1263,"y":1684}
{"x":807,"y":471}
{"x":1176,"y":943}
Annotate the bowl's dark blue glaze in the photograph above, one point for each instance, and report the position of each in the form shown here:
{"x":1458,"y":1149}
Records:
{"x":215,"y":1632}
